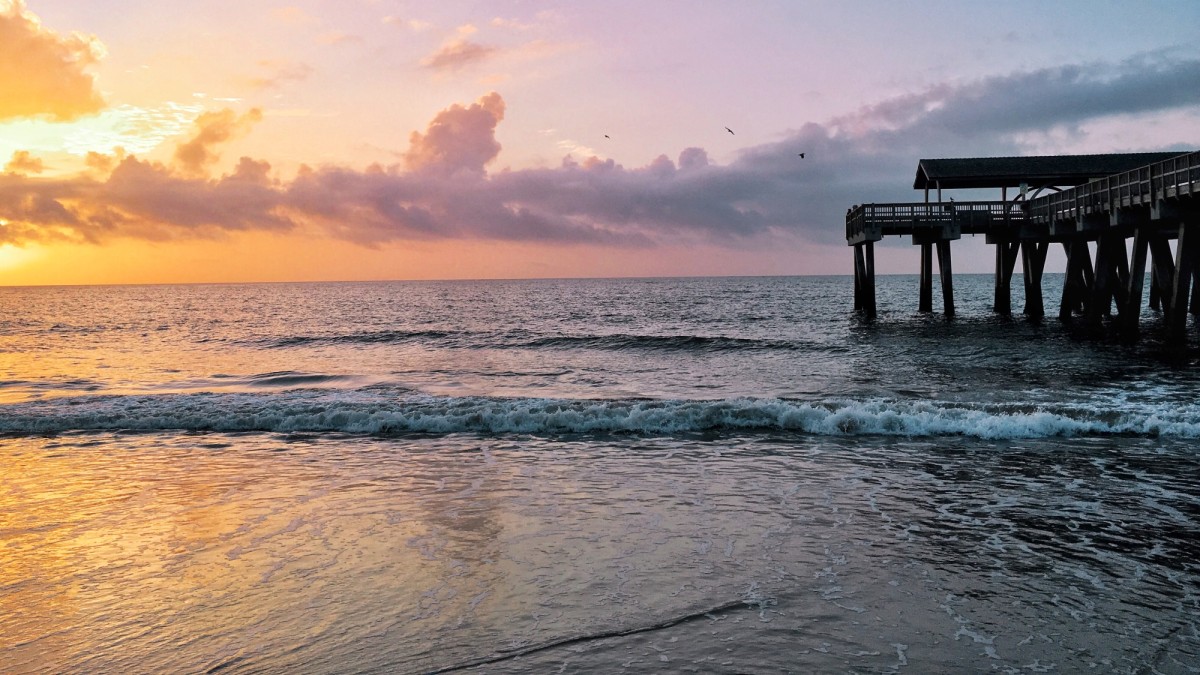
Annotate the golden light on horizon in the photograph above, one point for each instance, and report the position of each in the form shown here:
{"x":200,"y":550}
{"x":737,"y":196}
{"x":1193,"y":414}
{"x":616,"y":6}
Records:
{"x":13,"y":257}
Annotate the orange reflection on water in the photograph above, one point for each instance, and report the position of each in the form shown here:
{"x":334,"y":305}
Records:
{"x":154,"y":553}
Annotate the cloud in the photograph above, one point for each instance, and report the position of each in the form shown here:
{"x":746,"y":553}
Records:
{"x":1037,"y":99}
{"x":415,"y":25}
{"x":458,"y":54}
{"x":511,"y":24}
{"x":463,"y":52}
{"x":444,"y":190}
{"x":24,"y":163}
{"x":293,"y":15}
{"x":43,"y":73}
{"x":546,"y":20}
{"x":140,"y":200}
{"x":338,"y":38}
{"x":102,"y":163}
{"x":280,"y":73}
{"x":195,"y":155}
{"x":459,"y":139}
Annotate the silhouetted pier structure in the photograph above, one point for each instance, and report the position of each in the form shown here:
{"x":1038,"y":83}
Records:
{"x":1072,"y":200}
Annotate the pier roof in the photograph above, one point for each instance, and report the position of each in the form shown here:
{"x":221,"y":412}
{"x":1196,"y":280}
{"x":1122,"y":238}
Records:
{"x":1035,"y":171}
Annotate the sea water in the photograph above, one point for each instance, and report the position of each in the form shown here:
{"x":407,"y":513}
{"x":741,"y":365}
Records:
{"x":732,"y":475}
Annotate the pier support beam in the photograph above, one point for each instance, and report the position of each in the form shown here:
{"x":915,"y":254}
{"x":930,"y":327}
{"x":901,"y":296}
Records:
{"x":1006,"y":260}
{"x":864,"y":279}
{"x":1077,"y":284}
{"x":925,"y":302}
{"x":1187,"y":249}
{"x":1033,"y":262}
{"x":1131,"y":313}
{"x":1162,"y":272}
{"x":947,"y":273}
{"x":1111,"y":280}
{"x":858,"y":292}
{"x":1195,"y":307}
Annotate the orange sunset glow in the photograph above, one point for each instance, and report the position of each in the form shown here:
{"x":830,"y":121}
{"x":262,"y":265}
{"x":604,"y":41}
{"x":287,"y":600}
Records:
{"x":599,"y":336}
{"x":393,"y":142}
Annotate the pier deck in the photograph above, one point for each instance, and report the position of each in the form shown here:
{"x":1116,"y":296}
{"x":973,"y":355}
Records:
{"x":1100,"y":199}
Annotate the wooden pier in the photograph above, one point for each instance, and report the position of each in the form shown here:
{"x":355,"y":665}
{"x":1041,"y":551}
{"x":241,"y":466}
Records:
{"x":1072,"y":200}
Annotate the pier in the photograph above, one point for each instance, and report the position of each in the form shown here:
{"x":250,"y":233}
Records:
{"x":1079,"y":201}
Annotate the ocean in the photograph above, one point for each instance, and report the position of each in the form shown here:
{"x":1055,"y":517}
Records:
{"x":709,"y":475}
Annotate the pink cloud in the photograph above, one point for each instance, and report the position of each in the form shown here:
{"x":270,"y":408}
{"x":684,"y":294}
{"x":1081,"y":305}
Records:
{"x":460,"y":139}
{"x":212,"y":128}
{"x":458,"y":54}
{"x":443,"y":190}
{"x":339,"y":38}
{"x":415,"y":25}
{"x":280,"y":73}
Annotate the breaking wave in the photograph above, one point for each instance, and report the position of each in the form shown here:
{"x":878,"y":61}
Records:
{"x":376,"y":411}
{"x":523,"y":339}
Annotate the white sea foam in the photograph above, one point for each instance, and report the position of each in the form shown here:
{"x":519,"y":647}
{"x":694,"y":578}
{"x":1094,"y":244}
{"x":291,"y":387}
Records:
{"x":377,"y":412}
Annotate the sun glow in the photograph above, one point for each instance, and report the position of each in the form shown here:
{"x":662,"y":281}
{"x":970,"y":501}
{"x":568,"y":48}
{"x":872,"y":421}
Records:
{"x":135,"y":129}
{"x":12,"y":257}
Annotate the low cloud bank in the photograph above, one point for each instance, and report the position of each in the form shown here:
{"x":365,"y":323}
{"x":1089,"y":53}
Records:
{"x":444,"y":190}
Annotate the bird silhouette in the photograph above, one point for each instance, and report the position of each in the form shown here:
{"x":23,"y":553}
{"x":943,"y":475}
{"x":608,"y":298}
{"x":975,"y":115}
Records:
{"x":608,"y":137}
{"x":729,"y":130}
{"x":802,"y":155}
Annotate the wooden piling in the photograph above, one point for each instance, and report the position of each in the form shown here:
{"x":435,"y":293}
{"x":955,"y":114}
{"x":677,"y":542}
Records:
{"x":925,"y":301}
{"x":1195,"y":306}
{"x":870,"y":278}
{"x":864,"y":279}
{"x":1187,"y":248}
{"x":1131,"y":313}
{"x":858,"y":267}
{"x":1079,"y":279}
{"x":1111,"y":277}
{"x":947,"y":275}
{"x":1162,"y":272}
{"x":1033,"y":262}
{"x":1006,"y":260}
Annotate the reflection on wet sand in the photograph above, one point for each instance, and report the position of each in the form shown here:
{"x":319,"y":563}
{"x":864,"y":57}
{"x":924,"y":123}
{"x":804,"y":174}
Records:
{"x":265,"y":552}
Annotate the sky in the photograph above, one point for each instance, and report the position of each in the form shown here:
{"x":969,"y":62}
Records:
{"x":171,"y":141}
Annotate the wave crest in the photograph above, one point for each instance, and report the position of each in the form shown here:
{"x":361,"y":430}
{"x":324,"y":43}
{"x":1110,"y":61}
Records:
{"x":523,"y":339}
{"x":382,"y":412}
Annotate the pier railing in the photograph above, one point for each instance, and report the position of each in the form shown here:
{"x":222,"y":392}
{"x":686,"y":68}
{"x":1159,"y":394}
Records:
{"x":870,"y":222}
{"x":1169,"y":179}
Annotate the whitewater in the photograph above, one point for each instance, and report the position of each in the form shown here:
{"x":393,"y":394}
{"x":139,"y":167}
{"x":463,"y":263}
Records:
{"x":720,"y":475}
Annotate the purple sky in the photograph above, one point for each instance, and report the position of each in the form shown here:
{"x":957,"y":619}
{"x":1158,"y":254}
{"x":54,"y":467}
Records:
{"x":190,"y":141}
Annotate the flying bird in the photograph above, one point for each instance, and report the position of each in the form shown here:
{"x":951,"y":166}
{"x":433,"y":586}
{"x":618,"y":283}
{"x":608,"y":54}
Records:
{"x":608,"y":137}
{"x":729,"y":130}
{"x":802,"y":155}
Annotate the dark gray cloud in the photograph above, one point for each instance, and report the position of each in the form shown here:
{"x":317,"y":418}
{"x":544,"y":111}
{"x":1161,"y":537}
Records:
{"x":1038,"y":99}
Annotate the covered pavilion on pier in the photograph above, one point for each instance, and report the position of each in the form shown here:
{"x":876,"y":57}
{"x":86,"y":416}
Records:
{"x":1073,"y":200}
